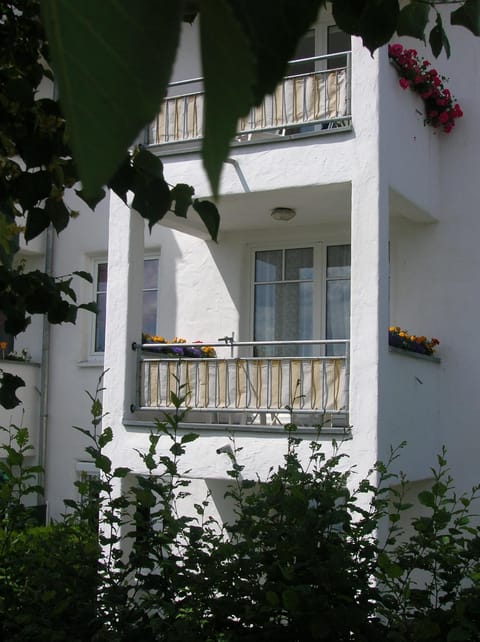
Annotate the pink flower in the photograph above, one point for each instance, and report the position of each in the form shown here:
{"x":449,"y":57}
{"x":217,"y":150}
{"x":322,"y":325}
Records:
{"x":404,"y":83}
{"x":395,"y":50}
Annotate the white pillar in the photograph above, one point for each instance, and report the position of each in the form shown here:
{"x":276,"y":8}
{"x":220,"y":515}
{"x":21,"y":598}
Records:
{"x":124,"y":311}
{"x":370,"y":230}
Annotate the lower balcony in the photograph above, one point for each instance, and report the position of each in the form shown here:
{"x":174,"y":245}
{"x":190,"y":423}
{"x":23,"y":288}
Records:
{"x":310,"y":389}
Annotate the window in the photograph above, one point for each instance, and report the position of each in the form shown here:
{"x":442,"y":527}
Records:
{"x":287,"y":283}
{"x":337,"y":295}
{"x":150,"y":299}
{"x":337,"y":42}
{"x":283,"y":294}
{"x":4,"y":337}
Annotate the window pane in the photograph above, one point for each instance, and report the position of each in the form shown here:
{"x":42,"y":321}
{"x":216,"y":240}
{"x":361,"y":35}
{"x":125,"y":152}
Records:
{"x":100,"y":322}
{"x":338,"y":313}
{"x":150,"y":312}
{"x":299,"y":264}
{"x":102,"y":269}
{"x":305,"y":49}
{"x":337,"y":41}
{"x":283,"y":311}
{"x":268,"y":265}
{"x":150,"y":274}
{"x":338,"y":261}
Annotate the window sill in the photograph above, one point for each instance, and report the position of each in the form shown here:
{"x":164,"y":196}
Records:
{"x":93,"y":362}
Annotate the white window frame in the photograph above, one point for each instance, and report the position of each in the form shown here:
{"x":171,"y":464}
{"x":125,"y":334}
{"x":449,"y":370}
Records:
{"x":319,"y":306}
{"x":96,"y":354}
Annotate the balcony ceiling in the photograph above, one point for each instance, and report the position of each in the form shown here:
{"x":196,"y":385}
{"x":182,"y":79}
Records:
{"x":250,"y":211}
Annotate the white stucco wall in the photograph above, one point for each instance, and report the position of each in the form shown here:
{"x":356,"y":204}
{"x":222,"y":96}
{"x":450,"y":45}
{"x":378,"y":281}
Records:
{"x":205,"y":288}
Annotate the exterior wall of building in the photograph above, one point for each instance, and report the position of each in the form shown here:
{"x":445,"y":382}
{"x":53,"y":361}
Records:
{"x":401,"y":193}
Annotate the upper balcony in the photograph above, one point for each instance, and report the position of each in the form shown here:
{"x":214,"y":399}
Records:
{"x":315,"y":98}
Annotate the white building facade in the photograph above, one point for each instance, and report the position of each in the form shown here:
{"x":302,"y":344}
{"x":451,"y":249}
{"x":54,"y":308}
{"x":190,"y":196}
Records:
{"x":386,"y":220}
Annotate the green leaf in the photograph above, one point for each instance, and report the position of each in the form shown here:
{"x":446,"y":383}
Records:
{"x":290,"y":599}
{"x":413,"y":19}
{"x":458,"y":634}
{"x":93,"y":200}
{"x":468,"y":16}
{"x":224,"y":47}
{"x":438,"y":39}
{"x":374,"y":20}
{"x":182,"y":194}
{"x":37,"y":222}
{"x":190,"y":436}
{"x":121,"y":471}
{"x":426,"y":498}
{"x":90,"y":307}
{"x":9,"y":384}
{"x":112,"y":74}
{"x":209,"y":215}
{"x":148,"y":164}
{"x":57,"y":212}
{"x":86,"y":276}
{"x":33,"y":187}
{"x":152,"y":198}
{"x":123,"y":180}
{"x":105,"y":438}
{"x":103,"y":463}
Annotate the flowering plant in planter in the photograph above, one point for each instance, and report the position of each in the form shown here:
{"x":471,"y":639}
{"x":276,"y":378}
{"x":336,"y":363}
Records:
{"x":193,"y":351}
{"x":441,"y":107}
{"x":399,"y":338}
{"x":14,"y":355}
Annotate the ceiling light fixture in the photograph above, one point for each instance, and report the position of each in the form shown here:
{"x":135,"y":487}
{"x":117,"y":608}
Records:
{"x":283,"y":213}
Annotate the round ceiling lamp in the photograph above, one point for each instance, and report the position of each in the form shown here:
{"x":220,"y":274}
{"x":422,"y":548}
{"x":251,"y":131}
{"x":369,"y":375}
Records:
{"x":283,"y":213}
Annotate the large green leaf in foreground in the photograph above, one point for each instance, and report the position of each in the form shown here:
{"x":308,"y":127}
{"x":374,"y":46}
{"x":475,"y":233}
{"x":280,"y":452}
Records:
{"x":112,"y":61}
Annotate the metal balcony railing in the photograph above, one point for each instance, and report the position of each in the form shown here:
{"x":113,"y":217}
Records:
{"x":302,"y":103}
{"x":249,"y":389}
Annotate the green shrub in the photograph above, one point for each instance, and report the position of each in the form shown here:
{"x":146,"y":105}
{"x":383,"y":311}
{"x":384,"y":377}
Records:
{"x":302,"y":561}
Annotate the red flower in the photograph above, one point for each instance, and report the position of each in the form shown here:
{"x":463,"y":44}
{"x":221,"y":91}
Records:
{"x":404,"y":83}
{"x":395,"y":50}
{"x":443,"y":117}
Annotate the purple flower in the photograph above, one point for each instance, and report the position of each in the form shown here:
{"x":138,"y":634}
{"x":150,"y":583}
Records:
{"x":192,"y":352}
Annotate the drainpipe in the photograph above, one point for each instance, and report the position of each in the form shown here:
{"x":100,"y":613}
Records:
{"x":44,"y":374}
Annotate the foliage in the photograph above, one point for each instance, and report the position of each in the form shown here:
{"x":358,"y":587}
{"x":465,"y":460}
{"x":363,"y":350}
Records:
{"x":399,"y":338}
{"x":39,"y":177}
{"x":48,"y":574}
{"x":441,"y":108}
{"x":256,"y":39}
{"x":312,"y":554}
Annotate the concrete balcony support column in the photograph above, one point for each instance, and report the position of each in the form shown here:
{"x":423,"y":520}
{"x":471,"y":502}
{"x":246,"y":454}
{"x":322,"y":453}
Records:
{"x":124,"y":309}
{"x":370,"y":232}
